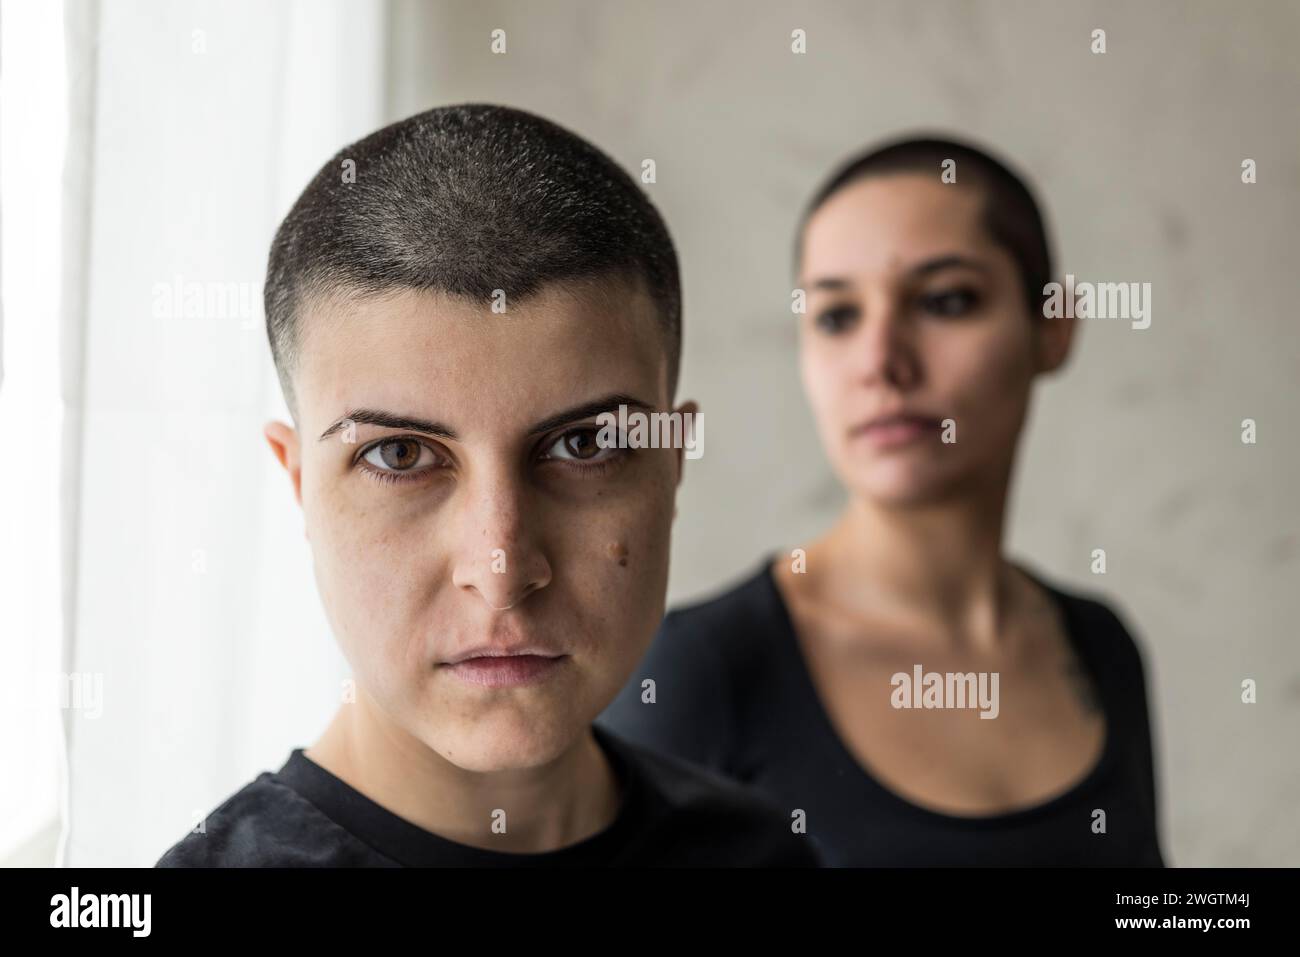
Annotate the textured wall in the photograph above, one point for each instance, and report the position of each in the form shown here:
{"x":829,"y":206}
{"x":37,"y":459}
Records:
{"x":1136,"y":447}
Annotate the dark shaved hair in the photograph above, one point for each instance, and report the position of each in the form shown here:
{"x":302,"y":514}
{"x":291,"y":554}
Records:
{"x":466,"y":200}
{"x":1011,"y":213}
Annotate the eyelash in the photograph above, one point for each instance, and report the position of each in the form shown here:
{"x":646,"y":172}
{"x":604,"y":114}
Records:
{"x":617,"y":455}
{"x":392,"y":477}
{"x":970,"y":295}
{"x":834,"y":311}
{"x":403,"y":477}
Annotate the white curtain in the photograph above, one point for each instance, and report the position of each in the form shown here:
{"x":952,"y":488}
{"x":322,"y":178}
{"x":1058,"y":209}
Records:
{"x":33,"y":129}
{"x":191,"y":595}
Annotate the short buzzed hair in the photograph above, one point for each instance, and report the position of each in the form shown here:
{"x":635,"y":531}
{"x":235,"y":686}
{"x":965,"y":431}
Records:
{"x":1012,"y":215}
{"x":466,"y":200}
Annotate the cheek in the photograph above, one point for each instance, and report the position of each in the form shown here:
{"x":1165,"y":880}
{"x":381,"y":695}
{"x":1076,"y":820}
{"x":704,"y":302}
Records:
{"x":826,"y":381}
{"x":985,"y":377}
{"x":616,"y":554}
{"x":364,"y":573}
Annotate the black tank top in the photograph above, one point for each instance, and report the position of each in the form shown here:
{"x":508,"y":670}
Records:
{"x":734,"y":693}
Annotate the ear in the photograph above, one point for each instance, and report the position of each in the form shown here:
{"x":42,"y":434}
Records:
{"x":283,"y":440}
{"x":688,"y":410}
{"x":1053,"y":339}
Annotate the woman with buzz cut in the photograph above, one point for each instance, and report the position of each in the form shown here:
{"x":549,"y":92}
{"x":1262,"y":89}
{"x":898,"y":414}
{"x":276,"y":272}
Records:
{"x":823,"y":678}
{"x":448,"y":325}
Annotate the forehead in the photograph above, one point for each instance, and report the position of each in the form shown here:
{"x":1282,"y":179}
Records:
{"x":884,"y":223}
{"x":454,"y":359}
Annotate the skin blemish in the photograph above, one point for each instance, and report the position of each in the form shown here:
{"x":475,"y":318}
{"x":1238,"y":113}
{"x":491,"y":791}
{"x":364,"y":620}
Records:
{"x":618,"y":552}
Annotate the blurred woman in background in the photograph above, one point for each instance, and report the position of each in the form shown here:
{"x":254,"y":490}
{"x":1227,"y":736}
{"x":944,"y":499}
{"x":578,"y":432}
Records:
{"x":904,"y":689}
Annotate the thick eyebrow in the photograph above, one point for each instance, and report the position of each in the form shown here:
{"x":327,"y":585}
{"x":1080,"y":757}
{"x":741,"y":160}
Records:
{"x":924,"y":268}
{"x":410,"y":423}
{"x":609,"y":403}
{"x":831,"y":283}
{"x":391,"y":420}
{"x":946,"y":262}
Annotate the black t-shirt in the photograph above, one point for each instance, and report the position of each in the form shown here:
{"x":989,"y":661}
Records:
{"x":733,"y":693}
{"x":671,"y":814}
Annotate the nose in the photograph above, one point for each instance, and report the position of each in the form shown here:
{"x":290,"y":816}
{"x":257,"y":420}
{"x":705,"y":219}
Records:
{"x":499,"y":556}
{"x":885,"y":349}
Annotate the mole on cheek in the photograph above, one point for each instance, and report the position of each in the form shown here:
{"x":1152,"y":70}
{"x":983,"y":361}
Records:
{"x":618,"y":552}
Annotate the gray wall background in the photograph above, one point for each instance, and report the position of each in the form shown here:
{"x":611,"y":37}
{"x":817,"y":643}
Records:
{"x":1135,"y":447}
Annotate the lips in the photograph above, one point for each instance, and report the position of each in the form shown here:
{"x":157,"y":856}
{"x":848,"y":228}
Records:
{"x":894,"y":420}
{"x":499,"y":651}
{"x":894,"y":430}
{"x":506,"y":670}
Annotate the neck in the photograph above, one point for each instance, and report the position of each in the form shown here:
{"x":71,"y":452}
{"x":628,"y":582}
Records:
{"x":935,"y":569}
{"x":555,"y":804}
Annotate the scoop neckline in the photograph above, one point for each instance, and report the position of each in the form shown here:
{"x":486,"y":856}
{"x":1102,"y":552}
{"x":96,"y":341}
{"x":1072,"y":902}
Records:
{"x":812,"y":699}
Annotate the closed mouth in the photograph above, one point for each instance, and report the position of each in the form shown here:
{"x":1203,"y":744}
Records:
{"x":506,"y":670}
{"x":895,"y":420}
{"x":527,"y":651}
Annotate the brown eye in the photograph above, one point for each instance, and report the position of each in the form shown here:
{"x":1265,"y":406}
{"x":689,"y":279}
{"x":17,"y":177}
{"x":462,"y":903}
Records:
{"x":836,"y":319}
{"x":954,"y":302}
{"x":396,"y":455}
{"x":581,"y":444}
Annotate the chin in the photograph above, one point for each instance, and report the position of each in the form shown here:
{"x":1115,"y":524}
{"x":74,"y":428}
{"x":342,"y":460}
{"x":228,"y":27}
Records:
{"x":903,"y":487}
{"x":504,"y":742}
